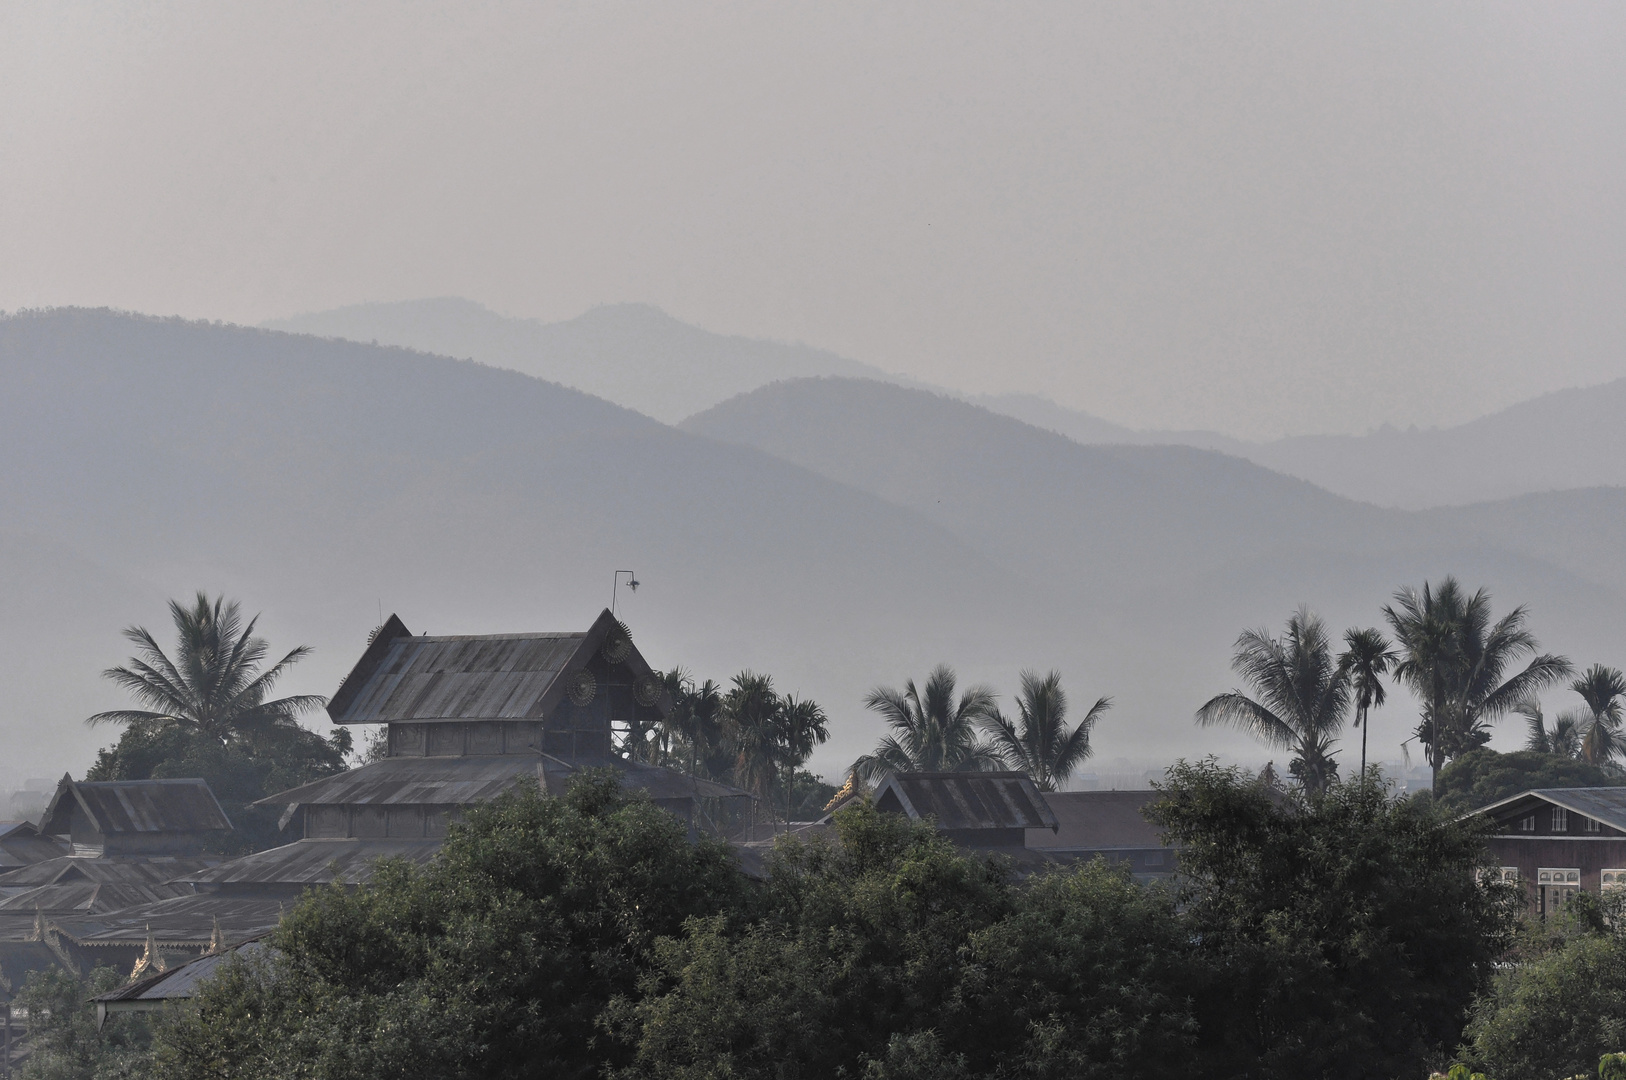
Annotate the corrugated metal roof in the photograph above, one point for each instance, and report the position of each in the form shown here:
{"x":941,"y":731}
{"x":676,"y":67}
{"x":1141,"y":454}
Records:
{"x":311,"y":862}
{"x":426,"y":781}
{"x":498,"y":677}
{"x":480,"y":677}
{"x":89,"y":897}
{"x":1098,"y":821}
{"x":136,"y":806}
{"x":464,"y":781}
{"x":989,"y":800}
{"x":1606,"y":804}
{"x":148,"y":870}
{"x":178,"y":982}
{"x":22,"y":845}
{"x":188,"y":920}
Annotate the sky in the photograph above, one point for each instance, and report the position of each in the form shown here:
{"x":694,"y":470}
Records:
{"x":1256,"y":218}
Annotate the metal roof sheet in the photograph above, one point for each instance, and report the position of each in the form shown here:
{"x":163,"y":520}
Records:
{"x":88,"y":897}
{"x":136,"y":806}
{"x":312,"y":862}
{"x":138,"y":870}
{"x":188,"y":920}
{"x":989,"y":800}
{"x":464,"y":781}
{"x":178,"y":982}
{"x":1099,"y":820}
{"x":1605,"y":804}
{"x":402,"y":677}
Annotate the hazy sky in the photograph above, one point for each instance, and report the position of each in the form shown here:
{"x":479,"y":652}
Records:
{"x":1260,"y":218}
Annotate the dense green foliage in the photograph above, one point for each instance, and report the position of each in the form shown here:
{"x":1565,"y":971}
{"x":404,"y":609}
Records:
{"x":585,"y":935}
{"x":62,"y":1036}
{"x":893,"y":954}
{"x":495,"y":961}
{"x":1483,"y":776}
{"x":1562,"y":1006}
{"x":1350,"y":932}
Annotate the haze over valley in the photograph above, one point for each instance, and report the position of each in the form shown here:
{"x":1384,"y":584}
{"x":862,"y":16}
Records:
{"x":836,"y":531}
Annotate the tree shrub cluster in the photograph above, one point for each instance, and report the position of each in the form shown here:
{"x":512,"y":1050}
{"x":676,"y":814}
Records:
{"x":585,"y":935}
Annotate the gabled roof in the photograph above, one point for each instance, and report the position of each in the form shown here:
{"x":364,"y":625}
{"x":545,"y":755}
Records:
{"x":485,"y":677}
{"x":21,"y":844}
{"x":1605,"y":804}
{"x":175,"y":984}
{"x":116,"y":807}
{"x":966,"y":800}
{"x":1100,"y":820}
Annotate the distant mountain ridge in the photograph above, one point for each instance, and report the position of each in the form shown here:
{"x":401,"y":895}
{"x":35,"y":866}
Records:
{"x":835,"y":532}
{"x":643,"y":359}
{"x":632,"y":354}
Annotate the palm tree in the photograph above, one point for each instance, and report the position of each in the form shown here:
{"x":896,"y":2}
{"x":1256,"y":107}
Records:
{"x":1564,"y":738}
{"x":1040,"y":742}
{"x":751,"y":714}
{"x":694,"y":732}
{"x":1302,"y":692}
{"x":1367,"y":658}
{"x":213,"y":686}
{"x":930,"y":731}
{"x":1455,"y":658}
{"x":802,"y":726}
{"x":1601,"y":688}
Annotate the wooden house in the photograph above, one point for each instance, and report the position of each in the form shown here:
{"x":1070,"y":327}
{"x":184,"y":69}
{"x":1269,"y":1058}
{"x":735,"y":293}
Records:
{"x":1556,"y":841}
{"x":468,"y":717}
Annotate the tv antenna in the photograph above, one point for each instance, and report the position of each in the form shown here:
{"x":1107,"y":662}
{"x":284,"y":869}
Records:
{"x":615,"y":585}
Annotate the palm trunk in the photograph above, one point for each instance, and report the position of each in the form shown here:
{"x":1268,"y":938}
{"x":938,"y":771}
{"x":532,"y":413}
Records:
{"x":1364,"y":715}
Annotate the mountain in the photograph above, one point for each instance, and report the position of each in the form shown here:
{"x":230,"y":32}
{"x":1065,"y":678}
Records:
{"x":631,"y":354}
{"x":836,"y":533}
{"x":1178,"y":548}
{"x":641,"y":358}
{"x":1568,"y":439}
{"x":1560,"y":441}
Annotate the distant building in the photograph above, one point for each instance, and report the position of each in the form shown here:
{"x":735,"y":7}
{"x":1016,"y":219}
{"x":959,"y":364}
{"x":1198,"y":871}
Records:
{"x":1557,"y":841}
{"x":1108,"y":824}
{"x":976,"y":809}
{"x":135,"y":817}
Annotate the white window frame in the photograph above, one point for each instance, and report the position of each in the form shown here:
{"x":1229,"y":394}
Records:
{"x":1591,"y":824}
{"x":1527,"y":823}
{"x":1612,"y":878}
{"x":1561,"y":819}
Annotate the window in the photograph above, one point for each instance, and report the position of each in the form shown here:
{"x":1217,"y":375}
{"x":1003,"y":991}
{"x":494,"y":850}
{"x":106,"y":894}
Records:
{"x":1527,"y":823}
{"x":1589,"y":825}
{"x":1510,"y":874}
{"x":1554,"y":887}
{"x":1613,"y":879}
{"x":1561,"y":819}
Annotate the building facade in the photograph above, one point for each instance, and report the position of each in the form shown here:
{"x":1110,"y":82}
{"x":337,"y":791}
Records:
{"x":1556,"y":841}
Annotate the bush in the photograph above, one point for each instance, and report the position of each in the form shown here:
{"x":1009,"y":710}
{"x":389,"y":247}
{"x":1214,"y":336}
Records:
{"x":1562,"y":1006}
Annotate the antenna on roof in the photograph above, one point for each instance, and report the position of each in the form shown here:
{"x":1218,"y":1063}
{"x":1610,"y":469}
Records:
{"x":615,"y":585}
